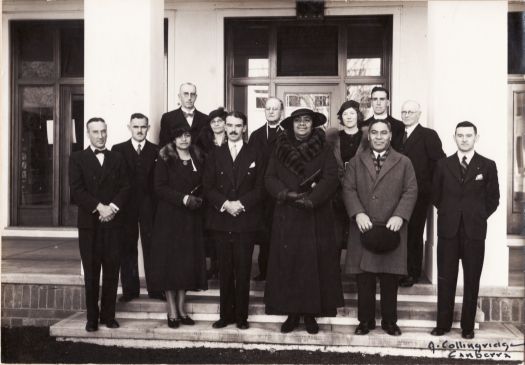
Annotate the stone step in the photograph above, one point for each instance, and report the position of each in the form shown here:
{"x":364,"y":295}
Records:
{"x":494,"y":340}
{"x":202,"y":304}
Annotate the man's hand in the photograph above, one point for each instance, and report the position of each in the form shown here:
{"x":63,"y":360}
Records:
{"x":234,"y":207}
{"x":394,"y":223}
{"x":105,"y":211}
{"x":363,"y":222}
{"x":193,"y":202}
{"x":107,"y":219}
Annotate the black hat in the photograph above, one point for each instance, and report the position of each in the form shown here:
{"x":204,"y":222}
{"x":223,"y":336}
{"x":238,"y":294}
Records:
{"x":219,"y":112}
{"x":318,"y":118}
{"x":380,"y":239}
{"x":348,"y":104}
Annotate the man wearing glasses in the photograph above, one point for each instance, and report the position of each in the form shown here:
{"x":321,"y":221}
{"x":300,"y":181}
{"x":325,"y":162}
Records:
{"x":423,"y":147}
{"x":380,"y":98}
{"x":185,"y":116}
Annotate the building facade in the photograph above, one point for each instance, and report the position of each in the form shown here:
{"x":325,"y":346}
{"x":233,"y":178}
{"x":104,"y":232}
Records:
{"x":65,"y":61}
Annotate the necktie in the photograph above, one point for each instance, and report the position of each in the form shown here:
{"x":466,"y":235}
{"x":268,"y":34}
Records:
{"x":234,"y":151}
{"x":405,"y":137}
{"x":464,"y":166}
{"x":378,"y":161}
{"x":186,"y":115}
{"x":139,"y":150}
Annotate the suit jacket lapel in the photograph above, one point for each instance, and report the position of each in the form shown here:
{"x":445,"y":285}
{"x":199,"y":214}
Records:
{"x":473,"y":168}
{"x":242,"y":163}
{"x":454,"y":166}
{"x":366,"y":159}
{"x":225,"y":160}
{"x":92,"y":160}
{"x":391,"y":160}
{"x":414,"y":137}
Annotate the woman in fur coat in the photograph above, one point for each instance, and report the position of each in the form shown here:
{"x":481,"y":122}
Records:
{"x":303,"y":276}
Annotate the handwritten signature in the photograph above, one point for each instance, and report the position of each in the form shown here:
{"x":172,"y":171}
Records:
{"x":474,"y":350}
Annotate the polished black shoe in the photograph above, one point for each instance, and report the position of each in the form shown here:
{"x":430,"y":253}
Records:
{"x":187,"y":321}
{"x":110,"y":323}
{"x":221,"y":323}
{"x":467,"y":335}
{"x":311,"y":325}
{"x":363,"y":328}
{"x":157,"y":295}
{"x":407,"y":281}
{"x":290,"y":324}
{"x":438,"y":331}
{"x":124,"y":298}
{"x":260,"y":277}
{"x":173,"y":322}
{"x":243,"y":325}
{"x":391,"y":328}
{"x":91,"y":326}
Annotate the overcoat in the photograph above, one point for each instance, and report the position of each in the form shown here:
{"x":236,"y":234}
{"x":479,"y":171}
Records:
{"x":178,"y":259}
{"x":303,"y":269}
{"x":392,"y":192}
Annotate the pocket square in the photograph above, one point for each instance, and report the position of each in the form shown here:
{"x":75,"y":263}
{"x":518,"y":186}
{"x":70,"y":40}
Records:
{"x":252,"y":165}
{"x":479,"y":177}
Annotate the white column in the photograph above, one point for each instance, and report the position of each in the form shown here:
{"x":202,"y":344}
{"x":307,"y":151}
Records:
{"x":124,"y":63}
{"x":468,"y":81}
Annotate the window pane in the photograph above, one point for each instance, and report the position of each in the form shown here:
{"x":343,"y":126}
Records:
{"x":250,"y":100}
{"x":365,"y":49}
{"x":35,"y":51}
{"x":361,"y":94}
{"x":36,"y":147}
{"x":320,"y":102}
{"x":307,"y":50}
{"x":363,"y":67}
{"x":516,"y":42}
{"x":518,"y":183}
{"x":250,"y":51}
{"x":72,"y":51}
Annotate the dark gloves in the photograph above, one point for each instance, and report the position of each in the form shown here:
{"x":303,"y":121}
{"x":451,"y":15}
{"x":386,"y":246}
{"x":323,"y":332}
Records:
{"x":303,"y":203}
{"x":292,"y":196}
{"x":193,"y":202}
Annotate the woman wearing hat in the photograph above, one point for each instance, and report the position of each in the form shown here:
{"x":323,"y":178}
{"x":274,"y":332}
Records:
{"x":345,"y":144}
{"x":303,"y":277}
{"x":211,"y":136}
{"x":177,"y":243}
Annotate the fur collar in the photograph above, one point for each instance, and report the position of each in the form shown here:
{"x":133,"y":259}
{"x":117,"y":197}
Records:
{"x":293,"y":154}
{"x":169,"y":153}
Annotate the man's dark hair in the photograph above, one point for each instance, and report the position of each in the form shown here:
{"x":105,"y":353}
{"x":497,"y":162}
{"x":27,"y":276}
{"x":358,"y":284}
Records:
{"x":375,"y":121}
{"x":239,"y":115}
{"x":138,"y":116}
{"x":95,"y":119}
{"x":380,"y":88}
{"x":466,"y":123}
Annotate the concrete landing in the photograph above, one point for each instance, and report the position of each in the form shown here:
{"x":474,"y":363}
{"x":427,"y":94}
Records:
{"x":493,"y":341}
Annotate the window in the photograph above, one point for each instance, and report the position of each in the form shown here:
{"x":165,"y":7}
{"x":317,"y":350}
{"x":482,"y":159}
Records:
{"x":353,"y":53}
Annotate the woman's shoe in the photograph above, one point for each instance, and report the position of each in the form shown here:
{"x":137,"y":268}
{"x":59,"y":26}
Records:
{"x":311,"y":325}
{"x":290,"y":324}
{"x":173,"y":322}
{"x":187,"y":321}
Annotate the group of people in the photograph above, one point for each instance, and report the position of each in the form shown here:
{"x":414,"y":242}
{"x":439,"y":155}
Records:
{"x":299,"y":191}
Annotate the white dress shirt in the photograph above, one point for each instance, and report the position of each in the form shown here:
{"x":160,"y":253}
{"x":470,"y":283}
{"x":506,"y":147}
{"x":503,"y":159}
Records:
{"x":189,"y":119}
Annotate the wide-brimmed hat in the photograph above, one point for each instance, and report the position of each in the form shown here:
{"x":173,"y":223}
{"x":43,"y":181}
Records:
{"x":380,"y":239}
{"x":317,"y":118}
{"x":348,"y":104}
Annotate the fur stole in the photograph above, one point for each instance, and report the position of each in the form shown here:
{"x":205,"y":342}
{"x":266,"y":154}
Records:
{"x":169,"y":153}
{"x":293,"y":154}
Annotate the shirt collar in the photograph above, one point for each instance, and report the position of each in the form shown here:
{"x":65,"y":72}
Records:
{"x":136,"y":144}
{"x":410,"y":129}
{"x":275,"y":126}
{"x":469,"y":155}
{"x":187,"y":110}
{"x":237,"y":144}
{"x":381,"y":117}
{"x":93,"y":148}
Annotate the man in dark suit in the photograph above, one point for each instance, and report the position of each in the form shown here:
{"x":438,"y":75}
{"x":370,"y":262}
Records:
{"x":140,"y":156}
{"x":99,"y":185}
{"x":185,"y":116}
{"x":233,"y":186}
{"x":465,"y":191}
{"x":380,"y":103}
{"x":263,"y":139}
{"x":423,"y":147}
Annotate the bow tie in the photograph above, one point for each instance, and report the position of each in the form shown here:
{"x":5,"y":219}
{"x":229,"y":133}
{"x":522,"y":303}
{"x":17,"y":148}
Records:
{"x":101,"y":151}
{"x":186,"y":115}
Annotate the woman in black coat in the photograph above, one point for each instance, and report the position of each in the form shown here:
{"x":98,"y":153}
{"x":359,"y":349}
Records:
{"x":179,"y":262}
{"x":345,"y":144}
{"x":303,"y":276}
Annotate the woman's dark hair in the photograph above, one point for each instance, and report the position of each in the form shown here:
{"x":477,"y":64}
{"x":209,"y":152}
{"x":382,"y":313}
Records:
{"x":176,"y":132}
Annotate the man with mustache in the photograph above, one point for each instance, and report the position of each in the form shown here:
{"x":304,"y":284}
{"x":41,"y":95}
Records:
{"x":233,"y":187}
{"x":140,"y":156}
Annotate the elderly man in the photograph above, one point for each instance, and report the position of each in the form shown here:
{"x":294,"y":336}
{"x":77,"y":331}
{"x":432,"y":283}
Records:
{"x":99,"y":185}
{"x":263,"y":139}
{"x":379,"y":192}
{"x":465,"y":191}
{"x":185,"y":116}
{"x":423,"y":147}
